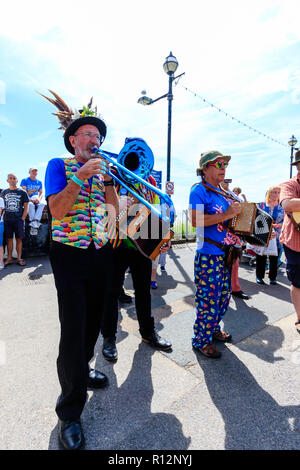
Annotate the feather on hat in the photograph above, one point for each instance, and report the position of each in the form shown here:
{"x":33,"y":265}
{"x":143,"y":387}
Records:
{"x":70,"y":121}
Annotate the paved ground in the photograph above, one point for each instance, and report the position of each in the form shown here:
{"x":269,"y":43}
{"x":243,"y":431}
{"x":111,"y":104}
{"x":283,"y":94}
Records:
{"x":249,"y":399}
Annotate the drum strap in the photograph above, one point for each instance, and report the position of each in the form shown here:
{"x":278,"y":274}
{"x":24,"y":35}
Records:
{"x":222,"y":191}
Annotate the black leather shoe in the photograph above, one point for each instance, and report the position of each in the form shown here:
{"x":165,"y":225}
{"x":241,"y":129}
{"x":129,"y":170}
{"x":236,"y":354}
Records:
{"x":125,"y":299}
{"x":155,"y":340}
{"x":70,"y":435}
{"x":96,"y":379}
{"x":109,"y":349}
{"x":240,"y":294}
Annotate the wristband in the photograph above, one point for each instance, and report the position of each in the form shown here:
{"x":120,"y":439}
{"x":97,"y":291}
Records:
{"x":109,"y":183}
{"x":77,"y":181}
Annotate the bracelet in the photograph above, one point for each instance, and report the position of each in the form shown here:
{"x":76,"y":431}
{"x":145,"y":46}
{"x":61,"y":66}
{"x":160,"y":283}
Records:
{"x":121,"y":215}
{"x":109,"y":183}
{"x":77,"y":181}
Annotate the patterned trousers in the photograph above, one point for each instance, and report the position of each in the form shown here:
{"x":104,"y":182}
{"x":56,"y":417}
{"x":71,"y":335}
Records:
{"x":213,"y":283}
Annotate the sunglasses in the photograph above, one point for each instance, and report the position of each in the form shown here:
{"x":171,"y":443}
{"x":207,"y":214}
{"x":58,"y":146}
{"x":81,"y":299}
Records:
{"x":219,"y":165}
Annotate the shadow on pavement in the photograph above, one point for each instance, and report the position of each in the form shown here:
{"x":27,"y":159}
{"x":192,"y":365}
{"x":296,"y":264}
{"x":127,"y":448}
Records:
{"x":268,"y":338}
{"x":161,"y":305}
{"x":188,"y":281}
{"x":120,"y":417}
{"x":250,"y":287}
{"x":252,"y":418}
{"x":40,"y":266}
{"x":243,"y":323}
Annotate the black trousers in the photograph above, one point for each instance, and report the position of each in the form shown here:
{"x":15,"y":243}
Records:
{"x":84,"y":280}
{"x":140,"y":269}
{"x":261,"y":267}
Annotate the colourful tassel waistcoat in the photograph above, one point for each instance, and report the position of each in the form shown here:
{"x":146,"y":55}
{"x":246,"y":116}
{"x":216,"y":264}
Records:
{"x":87,"y":221}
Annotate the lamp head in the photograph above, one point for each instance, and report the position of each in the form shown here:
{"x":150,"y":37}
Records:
{"x":145,"y":100}
{"x":293,"y":141}
{"x":170,"y":64}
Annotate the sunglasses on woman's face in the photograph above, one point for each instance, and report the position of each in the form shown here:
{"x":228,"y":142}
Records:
{"x":219,"y":165}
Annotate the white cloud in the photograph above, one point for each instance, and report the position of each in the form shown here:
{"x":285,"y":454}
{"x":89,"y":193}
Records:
{"x":2,"y":92}
{"x":38,"y":138}
{"x":6,"y":122}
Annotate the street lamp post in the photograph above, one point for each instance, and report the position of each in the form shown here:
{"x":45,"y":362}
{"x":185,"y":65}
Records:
{"x":170,"y":66}
{"x":292,"y":142}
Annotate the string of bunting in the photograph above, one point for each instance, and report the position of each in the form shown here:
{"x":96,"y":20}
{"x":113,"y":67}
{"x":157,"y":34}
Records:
{"x":233,"y":118}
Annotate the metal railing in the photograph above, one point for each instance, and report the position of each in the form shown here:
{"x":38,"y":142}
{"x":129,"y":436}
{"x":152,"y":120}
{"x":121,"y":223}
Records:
{"x":183,"y":229}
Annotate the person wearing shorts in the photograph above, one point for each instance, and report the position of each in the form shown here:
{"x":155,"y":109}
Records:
{"x":15,"y":212}
{"x":290,"y":234}
{"x":34,"y":189}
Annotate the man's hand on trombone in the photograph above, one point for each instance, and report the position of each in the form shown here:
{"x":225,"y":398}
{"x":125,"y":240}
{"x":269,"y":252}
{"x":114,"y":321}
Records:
{"x":94,"y":166}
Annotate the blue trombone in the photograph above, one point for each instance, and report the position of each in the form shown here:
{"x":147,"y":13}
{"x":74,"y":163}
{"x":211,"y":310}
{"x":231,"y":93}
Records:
{"x":138,"y":149}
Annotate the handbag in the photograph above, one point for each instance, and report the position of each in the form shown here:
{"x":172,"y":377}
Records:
{"x":270,"y":250}
{"x":232,"y":253}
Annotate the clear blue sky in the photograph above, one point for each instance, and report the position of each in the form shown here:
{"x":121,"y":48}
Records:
{"x":243,"y":57}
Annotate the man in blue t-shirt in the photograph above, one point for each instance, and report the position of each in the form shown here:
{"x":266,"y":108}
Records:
{"x":34,"y":189}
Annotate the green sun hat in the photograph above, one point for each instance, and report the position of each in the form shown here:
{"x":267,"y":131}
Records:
{"x":211,"y":156}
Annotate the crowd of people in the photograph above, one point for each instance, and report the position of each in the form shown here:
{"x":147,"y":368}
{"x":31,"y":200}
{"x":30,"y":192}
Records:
{"x":88,"y":255}
{"x":16,"y":203}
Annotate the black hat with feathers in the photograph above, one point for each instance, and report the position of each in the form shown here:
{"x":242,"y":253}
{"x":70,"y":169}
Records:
{"x":71,"y":121}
